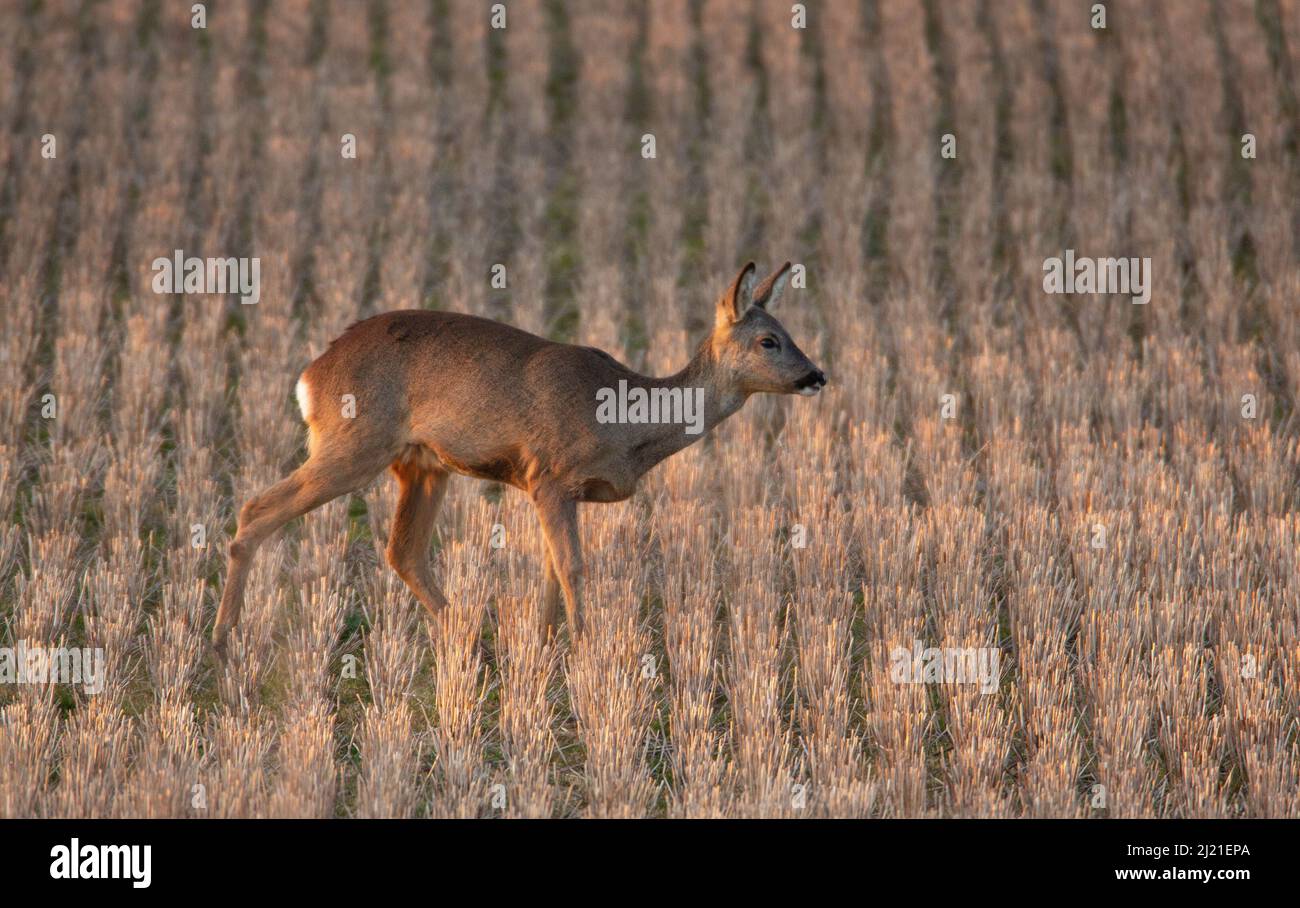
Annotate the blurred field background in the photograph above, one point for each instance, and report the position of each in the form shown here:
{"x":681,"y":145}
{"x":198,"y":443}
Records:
{"x":726,"y":672}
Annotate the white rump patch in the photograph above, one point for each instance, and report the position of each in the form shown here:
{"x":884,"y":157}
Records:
{"x":303,"y":393}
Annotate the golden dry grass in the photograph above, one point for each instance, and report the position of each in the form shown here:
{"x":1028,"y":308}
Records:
{"x":1148,"y":668}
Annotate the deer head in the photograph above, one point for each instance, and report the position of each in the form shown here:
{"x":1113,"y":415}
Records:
{"x":751,"y":349}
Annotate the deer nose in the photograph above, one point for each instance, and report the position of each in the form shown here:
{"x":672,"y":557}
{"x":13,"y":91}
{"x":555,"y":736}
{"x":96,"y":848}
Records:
{"x":811,"y":383}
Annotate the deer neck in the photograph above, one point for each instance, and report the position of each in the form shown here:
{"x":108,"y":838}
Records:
{"x":707,"y":397}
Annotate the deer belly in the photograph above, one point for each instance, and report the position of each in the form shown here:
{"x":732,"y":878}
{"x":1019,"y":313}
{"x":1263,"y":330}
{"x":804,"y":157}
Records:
{"x":602,"y":490}
{"x":494,"y":468}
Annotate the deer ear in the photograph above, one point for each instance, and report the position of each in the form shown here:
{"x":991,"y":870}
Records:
{"x":767,"y":293}
{"x":732,"y":303}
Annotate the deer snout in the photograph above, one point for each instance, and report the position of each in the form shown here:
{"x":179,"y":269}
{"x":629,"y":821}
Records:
{"x":811,"y":383}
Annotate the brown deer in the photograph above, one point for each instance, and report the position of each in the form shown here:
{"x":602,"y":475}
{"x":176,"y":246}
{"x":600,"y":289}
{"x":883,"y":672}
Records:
{"x":436,"y":393}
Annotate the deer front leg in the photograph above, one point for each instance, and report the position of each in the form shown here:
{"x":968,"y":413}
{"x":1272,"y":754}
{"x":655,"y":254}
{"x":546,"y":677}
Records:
{"x":559,"y":516}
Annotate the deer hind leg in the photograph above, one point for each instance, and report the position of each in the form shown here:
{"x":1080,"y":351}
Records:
{"x":421,"y":492}
{"x":321,"y":479}
{"x":551,"y":597}
{"x":559,"y":517}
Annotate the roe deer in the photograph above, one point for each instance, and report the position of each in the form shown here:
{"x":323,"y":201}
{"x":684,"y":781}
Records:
{"x":439,"y":393}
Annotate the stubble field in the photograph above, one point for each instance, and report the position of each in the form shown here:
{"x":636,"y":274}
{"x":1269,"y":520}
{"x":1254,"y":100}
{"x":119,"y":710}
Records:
{"x":1072,"y":484}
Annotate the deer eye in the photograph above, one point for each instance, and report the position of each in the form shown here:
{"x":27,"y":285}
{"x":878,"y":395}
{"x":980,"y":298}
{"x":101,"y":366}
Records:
{"x":769,"y":343}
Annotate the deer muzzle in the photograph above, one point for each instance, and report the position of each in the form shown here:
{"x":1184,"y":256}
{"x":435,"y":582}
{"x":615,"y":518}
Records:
{"x":811,"y":383}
